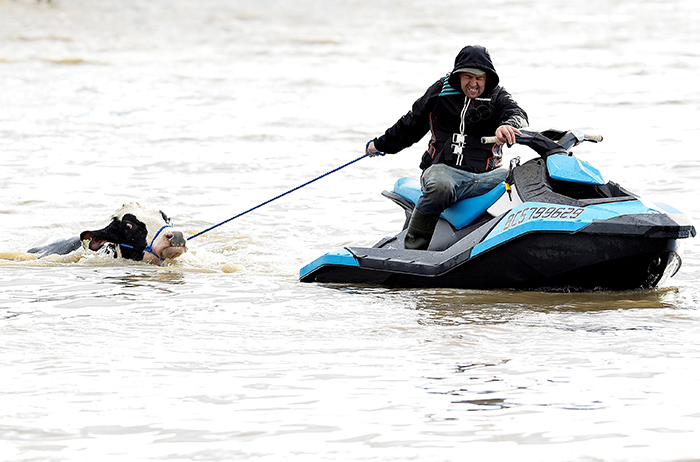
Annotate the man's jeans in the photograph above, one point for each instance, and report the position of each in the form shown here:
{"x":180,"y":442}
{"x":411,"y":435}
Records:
{"x":443,"y":185}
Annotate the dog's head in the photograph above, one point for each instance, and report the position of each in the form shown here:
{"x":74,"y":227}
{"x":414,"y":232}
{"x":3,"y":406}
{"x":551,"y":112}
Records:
{"x":138,"y":233}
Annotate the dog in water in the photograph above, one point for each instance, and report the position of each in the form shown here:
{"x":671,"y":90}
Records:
{"x":134,"y":233}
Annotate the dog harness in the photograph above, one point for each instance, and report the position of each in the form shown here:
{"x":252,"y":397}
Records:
{"x":149,"y":247}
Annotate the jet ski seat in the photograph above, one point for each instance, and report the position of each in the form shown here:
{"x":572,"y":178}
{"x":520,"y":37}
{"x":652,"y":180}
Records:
{"x":460,"y":214}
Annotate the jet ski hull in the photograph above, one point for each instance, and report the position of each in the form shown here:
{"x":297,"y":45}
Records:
{"x":537,"y":261}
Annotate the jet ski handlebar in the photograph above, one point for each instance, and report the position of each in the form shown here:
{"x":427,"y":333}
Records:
{"x":594,"y":138}
{"x":493,"y":139}
{"x":549,"y":141}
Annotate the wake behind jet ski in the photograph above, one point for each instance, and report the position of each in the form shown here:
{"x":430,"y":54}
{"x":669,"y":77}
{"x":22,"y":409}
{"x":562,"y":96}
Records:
{"x":554,"y":224}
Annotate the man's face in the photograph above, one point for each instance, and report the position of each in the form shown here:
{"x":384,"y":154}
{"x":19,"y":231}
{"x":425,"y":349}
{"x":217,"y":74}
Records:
{"x":472,"y":85}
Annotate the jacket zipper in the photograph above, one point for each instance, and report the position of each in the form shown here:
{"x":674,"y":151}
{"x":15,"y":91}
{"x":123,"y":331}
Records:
{"x":462,"y":124}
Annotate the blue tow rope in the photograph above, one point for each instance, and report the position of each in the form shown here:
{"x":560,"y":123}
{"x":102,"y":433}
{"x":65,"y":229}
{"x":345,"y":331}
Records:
{"x":283,"y":194}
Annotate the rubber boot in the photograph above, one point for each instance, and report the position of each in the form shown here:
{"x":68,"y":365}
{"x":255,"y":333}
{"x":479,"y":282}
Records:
{"x":420,"y":230}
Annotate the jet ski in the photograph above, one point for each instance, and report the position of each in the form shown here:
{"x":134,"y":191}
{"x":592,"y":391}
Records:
{"x":554,"y":224}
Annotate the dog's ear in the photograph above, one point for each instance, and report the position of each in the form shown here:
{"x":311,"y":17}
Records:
{"x":90,"y":242}
{"x":165,"y":217}
{"x":94,"y":240}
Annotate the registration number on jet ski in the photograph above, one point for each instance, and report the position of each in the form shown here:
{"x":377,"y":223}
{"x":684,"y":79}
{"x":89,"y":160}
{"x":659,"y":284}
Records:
{"x":537,"y":213}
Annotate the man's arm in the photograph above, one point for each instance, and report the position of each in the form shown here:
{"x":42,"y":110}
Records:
{"x":512,"y":118}
{"x":411,"y":127}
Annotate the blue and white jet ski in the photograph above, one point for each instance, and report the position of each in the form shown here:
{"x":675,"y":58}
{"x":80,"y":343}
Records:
{"x":554,"y":224}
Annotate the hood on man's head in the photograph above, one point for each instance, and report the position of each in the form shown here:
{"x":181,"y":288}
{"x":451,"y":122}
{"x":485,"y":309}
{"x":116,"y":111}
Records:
{"x":474,"y":57}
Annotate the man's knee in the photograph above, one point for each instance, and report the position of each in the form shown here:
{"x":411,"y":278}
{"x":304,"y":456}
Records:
{"x":437,"y":184}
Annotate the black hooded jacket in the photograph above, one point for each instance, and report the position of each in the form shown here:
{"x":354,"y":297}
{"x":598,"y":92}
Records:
{"x":440,"y":111}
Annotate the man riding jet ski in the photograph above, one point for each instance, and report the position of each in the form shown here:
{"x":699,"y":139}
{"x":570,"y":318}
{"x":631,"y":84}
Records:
{"x":554,"y":224}
{"x":457,"y":110}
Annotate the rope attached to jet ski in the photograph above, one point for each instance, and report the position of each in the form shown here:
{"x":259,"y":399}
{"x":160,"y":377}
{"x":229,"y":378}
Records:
{"x":281,"y":195}
{"x":367,"y":154}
